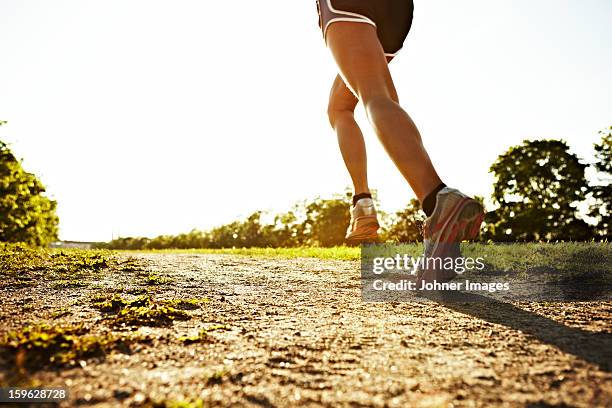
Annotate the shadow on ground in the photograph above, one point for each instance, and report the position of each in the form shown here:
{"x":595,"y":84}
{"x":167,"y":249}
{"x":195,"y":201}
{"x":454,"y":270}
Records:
{"x":593,"y":347}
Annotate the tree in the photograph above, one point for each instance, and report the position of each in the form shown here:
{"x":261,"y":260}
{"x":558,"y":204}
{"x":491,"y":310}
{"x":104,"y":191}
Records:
{"x":407,"y":224}
{"x":26,"y":215}
{"x":327,"y":221}
{"x":538,"y":185}
{"x":601,"y":209}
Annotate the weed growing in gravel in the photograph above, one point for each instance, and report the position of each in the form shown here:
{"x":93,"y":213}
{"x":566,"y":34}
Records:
{"x":217,"y":377}
{"x":35,"y":347}
{"x":134,"y":291}
{"x":22,"y":265}
{"x":64,"y":311}
{"x":154,"y":279}
{"x":69,"y":283}
{"x":19,"y":259}
{"x":179,"y":404}
{"x":153,"y":315}
{"x":143,"y":310}
{"x":187,"y":304}
{"x":116,"y":303}
{"x":131,"y":265}
{"x":202,"y":335}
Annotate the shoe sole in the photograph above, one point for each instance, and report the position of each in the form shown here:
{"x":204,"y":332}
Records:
{"x":356,"y":243}
{"x":367,"y":235}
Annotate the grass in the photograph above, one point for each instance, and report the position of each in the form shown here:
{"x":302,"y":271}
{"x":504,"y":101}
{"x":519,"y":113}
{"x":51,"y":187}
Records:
{"x":36,"y":347}
{"x":143,"y":310}
{"x":337,"y":253}
{"x":18,"y":259}
{"x":69,"y":283}
{"x":187,"y":403}
{"x":154,"y":279}
{"x":575,"y":257}
{"x":67,"y":266}
{"x":202,"y":335}
{"x":23,"y":264}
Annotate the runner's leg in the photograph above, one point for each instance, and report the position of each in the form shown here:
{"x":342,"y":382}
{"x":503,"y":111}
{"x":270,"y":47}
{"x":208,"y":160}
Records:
{"x":341,"y":111}
{"x":362,"y":64}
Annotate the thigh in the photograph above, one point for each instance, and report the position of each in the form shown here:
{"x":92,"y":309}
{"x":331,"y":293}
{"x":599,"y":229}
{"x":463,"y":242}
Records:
{"x":361,"y":60}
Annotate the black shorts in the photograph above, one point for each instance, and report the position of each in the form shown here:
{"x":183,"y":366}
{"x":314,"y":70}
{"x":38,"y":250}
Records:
{"x":392,"y":18}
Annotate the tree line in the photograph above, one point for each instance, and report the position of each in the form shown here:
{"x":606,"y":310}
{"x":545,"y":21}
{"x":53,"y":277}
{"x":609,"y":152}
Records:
{"x":540,"y":193}
{"x":539,"y":190}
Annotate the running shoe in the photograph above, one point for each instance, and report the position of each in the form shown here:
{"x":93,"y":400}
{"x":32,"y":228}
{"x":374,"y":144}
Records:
{"x":456,"y":218}
{"x":364,"y":223}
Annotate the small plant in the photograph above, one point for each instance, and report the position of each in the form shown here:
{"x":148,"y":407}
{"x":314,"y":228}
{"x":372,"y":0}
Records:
{"x":154,"y":279}
{"x":153,"y":315}
{"x":41,"y":346}
{"x":23,"y":262}
{"x":202,"y":335}
{"x":186,"y":304}
{"x":217,"y":377}
{"x":130,"y":265}
{"x":60,"y":313}
{"x":69,"y":283}
{"x":179,"y":404}
{"x":143,"y":310}
{"x":135,"y":291}
{"x":116,"y":303}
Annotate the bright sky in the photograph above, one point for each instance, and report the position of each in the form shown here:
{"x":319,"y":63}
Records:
{"x":155,"y":117}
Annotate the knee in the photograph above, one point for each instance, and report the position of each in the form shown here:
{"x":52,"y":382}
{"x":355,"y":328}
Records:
{"x":337,"y":114}
{"x":380,"y":104}
{"x":382,"y":109}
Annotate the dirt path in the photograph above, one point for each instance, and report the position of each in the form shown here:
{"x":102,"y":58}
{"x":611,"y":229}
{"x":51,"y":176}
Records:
{"x":295,"y":332}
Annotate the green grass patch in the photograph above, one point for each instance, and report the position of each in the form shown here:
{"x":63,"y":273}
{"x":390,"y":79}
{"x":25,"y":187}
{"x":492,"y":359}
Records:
{"x":69,"y":283}
{"x":202,"y":336}
{"x":24,"y":265}
{"x":36,"y":347}
{"x":570,"y":260}
{"x":186,"y":304}
{"x":143,"y":310}
{"x":197,"y":403}
{"x":115,"y":303}
{"x":154,"y":279}
{"x":339,"y":253}
{"x":153,"y":315}
{"x":576,"y":256}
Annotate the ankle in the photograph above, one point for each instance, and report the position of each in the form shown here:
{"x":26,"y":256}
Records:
{"x":361,"y":196}
{"x":429,"y":203}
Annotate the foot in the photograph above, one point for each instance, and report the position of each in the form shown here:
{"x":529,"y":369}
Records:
{"x":456,"y":218}
{"x":364,"y":223}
